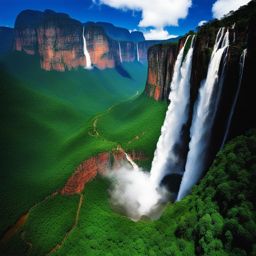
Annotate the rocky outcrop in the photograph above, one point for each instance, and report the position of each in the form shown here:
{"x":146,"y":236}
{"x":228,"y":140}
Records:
{"x":99,"y":164}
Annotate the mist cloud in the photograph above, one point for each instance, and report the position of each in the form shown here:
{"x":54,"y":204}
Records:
{"x":134,"y":195}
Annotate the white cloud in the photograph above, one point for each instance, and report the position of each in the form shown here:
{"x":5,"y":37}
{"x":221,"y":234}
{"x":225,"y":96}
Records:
{"x":158,"y":34}
{"x":201,"y":23}
{"x":157,"y":13}
{"x":222,"y":7}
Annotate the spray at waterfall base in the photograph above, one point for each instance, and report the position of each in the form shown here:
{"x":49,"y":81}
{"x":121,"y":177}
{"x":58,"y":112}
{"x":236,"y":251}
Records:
{"x":139,"y":194}
{"x":134,"y":195}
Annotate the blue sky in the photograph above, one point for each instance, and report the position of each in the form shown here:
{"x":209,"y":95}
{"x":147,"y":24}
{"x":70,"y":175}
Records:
{"x":156,"y":18}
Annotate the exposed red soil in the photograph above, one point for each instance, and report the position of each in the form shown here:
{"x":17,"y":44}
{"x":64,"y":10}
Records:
{"x":88,"y":169}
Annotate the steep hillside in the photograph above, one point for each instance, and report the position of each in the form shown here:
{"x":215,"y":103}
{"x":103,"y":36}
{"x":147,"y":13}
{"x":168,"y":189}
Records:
{"x":214,"y":205}
{"x":41,"y":113}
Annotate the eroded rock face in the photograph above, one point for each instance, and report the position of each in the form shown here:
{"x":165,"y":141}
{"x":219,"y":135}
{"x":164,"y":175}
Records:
{"x":88,"y":169}
{"x":57,"y":39}
{"x":100,"y":47}
{"x":54,"y":37}
{"x":161,"y":59}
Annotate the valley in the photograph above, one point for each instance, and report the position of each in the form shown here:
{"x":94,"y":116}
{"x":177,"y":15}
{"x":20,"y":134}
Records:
{"x":85,"y":106}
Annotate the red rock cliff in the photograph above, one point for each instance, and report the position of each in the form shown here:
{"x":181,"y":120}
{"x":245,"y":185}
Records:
{"x":88,"y":169}
{"x":161,"y":59}
{"x":58,"y":41}
{"x":100,"y":47}
{"x":54,"y":37}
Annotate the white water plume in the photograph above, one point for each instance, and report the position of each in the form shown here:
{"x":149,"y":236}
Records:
{"x":120,"y":52}
{"x":139,"y":194}
{"x":133,"y":164}
{"x":134,"y":195}
{"x":166,"y":158}
{"x":204,"y":115}
{"x":138,"y":53}
{"x":86,"y":53}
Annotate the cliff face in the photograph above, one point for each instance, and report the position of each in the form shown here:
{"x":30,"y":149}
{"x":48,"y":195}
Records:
{"x":161,"y":60}
{"x":58,"y":40}
{"x":100,"y":47}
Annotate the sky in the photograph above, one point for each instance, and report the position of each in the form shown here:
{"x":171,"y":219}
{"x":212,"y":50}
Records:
{"x":157,"y":19}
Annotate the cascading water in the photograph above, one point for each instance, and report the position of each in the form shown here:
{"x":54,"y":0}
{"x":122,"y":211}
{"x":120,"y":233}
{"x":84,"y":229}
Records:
{"x":120,"y":52}
{"x":234,"y":33}
{"x":167,"y":159}
{"x":86,"y":53}
{"x":132,"y":163}
{"x":139,"y":193}
{"x":242,"y":61}
{"x":204,"y":115}
{"x":137,"y":52}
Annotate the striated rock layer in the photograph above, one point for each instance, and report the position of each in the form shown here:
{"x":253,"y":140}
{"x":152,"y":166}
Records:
{"x":57,"y":40}
{"x":161,"y":60}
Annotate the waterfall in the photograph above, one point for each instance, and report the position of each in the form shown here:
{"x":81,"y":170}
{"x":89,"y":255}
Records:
{"x":204,"y":115}
{"x":242,"y":61}
{"x":166,"y":158}
{"x":234,"y":33}
{"x":120,"y":52}
{"x":137,"y":51}
{"x":132,"y":163}
{"x":86,"y":53}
